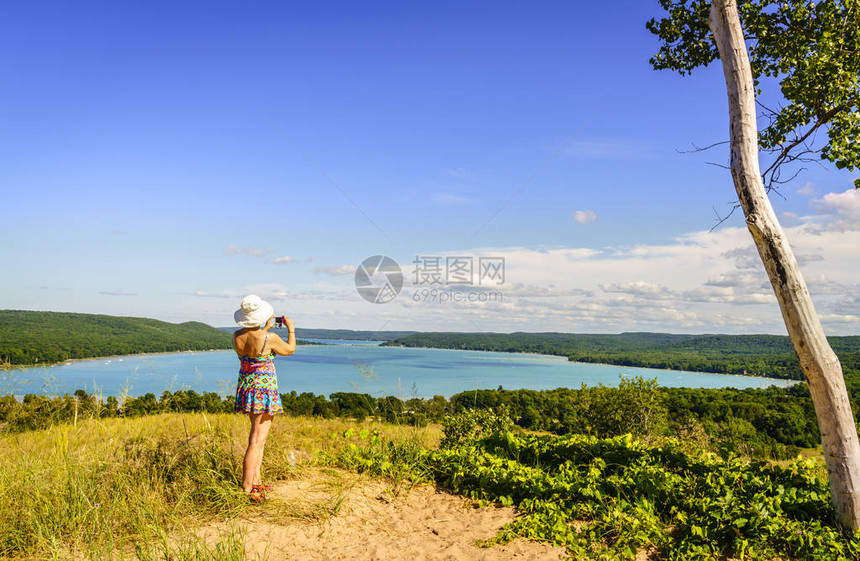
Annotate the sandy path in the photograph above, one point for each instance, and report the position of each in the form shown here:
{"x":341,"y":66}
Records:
{"x":327,"y":514}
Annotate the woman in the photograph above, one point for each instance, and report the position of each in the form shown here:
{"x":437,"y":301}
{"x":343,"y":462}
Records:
{"x":257,"y":390}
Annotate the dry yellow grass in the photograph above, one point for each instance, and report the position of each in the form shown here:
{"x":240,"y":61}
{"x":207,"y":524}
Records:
{"x":119,"y":487}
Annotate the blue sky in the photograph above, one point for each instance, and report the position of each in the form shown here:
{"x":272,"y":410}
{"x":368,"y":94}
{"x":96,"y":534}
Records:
{"x":142,"y":174}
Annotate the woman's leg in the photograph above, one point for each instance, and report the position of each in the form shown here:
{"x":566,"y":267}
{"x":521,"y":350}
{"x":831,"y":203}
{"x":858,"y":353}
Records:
{"x":260,"y":424}
{"x":258,"y":479}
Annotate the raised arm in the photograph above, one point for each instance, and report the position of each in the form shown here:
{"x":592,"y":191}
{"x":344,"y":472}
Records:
{"x":281,"y":347}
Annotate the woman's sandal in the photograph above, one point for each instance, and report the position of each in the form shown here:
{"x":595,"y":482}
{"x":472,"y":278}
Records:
{"x":257,"y":494}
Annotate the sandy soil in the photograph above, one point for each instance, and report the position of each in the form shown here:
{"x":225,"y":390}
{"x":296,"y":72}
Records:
{"x":327,"y":514}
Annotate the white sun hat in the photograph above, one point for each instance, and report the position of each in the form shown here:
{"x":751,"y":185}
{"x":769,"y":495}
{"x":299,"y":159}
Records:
{"x":253,"y":311}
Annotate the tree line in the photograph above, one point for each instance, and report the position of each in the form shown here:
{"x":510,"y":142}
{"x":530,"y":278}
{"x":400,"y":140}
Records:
{"x":28,"y":337}
{"x":754,"y":355}
{"x":769,"y":423}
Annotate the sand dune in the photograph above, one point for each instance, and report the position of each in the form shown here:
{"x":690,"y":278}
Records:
{"x":327,"y":514}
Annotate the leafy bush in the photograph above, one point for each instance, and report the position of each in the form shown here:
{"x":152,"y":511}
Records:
{"x":467,"y":426}
{"x":636,"y":406}
{"x":615,"y":498}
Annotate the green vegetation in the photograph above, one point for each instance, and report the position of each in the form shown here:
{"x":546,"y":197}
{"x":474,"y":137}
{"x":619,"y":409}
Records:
{"x":139,"y":488}
{"x":768,"y":423}
{"x":46,"y":337}
{"x":28,"y":337}
{"x":35,"y":412}
{"x":764,"y":423}
{"x":617,"y":497}
{"x":756,"y":355}
{"x":95,"y":484}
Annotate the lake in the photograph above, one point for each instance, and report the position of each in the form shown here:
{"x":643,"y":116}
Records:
{"x":347,"y":366}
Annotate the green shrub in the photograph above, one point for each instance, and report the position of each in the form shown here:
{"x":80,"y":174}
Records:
{"x":471,"y":424}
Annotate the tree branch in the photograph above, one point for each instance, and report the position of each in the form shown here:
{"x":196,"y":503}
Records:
{"x":784,"y":153}
{"x":698,"y":149}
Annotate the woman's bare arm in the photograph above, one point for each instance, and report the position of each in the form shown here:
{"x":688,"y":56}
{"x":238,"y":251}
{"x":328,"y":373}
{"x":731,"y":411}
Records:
{"x":281,"y":347}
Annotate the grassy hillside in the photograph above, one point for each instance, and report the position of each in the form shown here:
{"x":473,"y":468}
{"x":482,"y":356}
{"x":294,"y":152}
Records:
{"x":151,"y":488}
{"x":140,"y":488}
{"x":759,"y":355}
{"x":43,"y":337}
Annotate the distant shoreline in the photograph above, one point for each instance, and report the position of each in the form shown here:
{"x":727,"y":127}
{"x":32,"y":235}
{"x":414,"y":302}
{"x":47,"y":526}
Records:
{"x":564,"y":358}
{"x":70,"y":360}
{"x":788,"y":381}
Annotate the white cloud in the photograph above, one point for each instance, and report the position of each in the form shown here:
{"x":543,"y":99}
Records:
{"x":697,"y":282}
{"x":584,"y":216}
{"x":245,"y":250}
{"x":343,"y":270}
{"x":609,"y":148}
{"x":451,"y":199}
{"x":281,"y":260}
{"x":843,"y":205}
{"x":789,"y":219}
{"x":204,"y":294}
{"x":268,"y":291}
{"x":637,"y":288}
{"x":728,"y":295}
{"x":459,"y":173}
{"x":807,"y":190}
{"x":744,"y":280}
{"x":117,"y":293}
{"x":840,"y":318}
{"x":805,"y":259}
{"x":744,"y":258}
{"x":535,"y":291}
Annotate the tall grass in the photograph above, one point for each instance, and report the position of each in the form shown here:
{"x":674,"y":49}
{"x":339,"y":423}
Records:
{"x":129,"y":488}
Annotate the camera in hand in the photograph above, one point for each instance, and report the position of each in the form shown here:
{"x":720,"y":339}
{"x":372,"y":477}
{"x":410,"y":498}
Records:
{"x":280,"y":322}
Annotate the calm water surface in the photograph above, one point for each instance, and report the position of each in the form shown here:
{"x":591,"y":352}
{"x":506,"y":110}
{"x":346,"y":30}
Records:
{"x":348,"y":366}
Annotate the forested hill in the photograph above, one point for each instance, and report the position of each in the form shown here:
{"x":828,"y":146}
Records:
{"x":311,"y":333}
{"x":758,"y":355}
{"x":44,"y":337}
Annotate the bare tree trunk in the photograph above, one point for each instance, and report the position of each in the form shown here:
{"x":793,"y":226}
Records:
{"x":818,"y":361}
